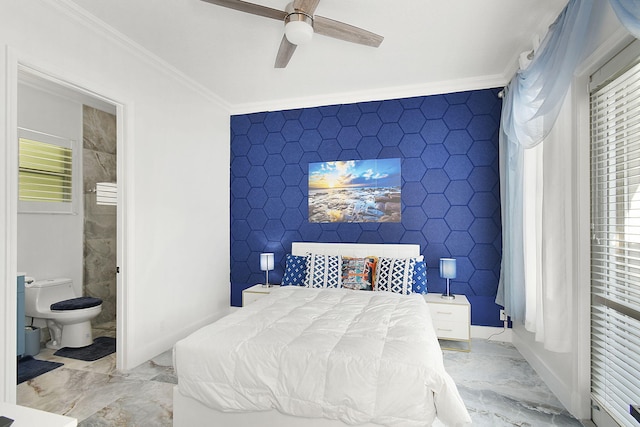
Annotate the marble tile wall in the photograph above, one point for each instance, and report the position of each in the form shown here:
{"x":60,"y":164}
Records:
{"x":99,"y":165}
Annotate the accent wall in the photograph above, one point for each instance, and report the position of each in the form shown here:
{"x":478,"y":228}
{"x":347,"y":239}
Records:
{"x":448,"y":146}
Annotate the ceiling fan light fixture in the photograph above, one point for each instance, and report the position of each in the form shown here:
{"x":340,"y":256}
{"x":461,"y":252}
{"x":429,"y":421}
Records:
{"x":298,"y":28}
{"x":299,"y":25}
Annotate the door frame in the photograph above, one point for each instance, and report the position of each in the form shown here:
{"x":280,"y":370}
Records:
{"x":124,"y":122}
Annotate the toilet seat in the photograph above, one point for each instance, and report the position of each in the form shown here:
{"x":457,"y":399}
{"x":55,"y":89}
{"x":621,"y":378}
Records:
{"x":76,"y":304}
{"x":71,"y":316}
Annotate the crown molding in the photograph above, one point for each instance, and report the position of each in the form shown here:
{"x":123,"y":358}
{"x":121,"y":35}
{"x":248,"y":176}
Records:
{"x":395,"y":92}
{"x":81,"y":16}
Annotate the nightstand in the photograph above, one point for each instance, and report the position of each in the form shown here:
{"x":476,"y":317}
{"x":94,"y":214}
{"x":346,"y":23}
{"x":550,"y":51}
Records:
{"x":256,"y":292}
{"x":451,"y":319}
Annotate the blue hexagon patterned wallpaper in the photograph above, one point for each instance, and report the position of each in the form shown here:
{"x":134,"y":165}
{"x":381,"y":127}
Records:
{"x":450,"y":185}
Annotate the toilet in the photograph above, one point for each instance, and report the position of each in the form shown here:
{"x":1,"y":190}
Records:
{"x":68,"y":317}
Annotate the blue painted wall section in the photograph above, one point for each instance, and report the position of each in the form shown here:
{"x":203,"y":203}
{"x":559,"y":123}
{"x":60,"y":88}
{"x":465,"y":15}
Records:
{"x":450,"y":185}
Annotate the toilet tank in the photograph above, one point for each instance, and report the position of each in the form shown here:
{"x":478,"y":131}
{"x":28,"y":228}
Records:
{"x":39,"y":295}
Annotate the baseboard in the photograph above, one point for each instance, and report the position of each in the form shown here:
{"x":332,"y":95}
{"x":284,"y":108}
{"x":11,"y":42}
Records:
{"x":491,"y":333}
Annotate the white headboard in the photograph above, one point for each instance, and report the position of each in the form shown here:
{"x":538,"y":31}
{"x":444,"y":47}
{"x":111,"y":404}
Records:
{"x":356,"y":249}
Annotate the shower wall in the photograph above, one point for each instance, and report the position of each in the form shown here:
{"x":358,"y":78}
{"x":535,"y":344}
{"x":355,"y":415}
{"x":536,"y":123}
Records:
{"x":99,"y":165}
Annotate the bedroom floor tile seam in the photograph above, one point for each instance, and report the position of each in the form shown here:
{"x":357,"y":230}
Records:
{"x":497,"y":385}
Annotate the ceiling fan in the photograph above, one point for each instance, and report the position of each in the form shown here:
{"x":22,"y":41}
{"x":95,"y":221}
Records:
{"x":300,"y":23}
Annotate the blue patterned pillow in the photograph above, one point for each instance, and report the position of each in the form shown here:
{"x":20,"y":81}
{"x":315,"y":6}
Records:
{"x":395,"y":275}
{"x":420,"y":278}
{"x":295,"y":270}
{"x":323,"y":271}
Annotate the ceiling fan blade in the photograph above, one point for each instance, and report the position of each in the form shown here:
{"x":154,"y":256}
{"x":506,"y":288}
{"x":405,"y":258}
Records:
{"x":340,"y":30}
{"x":307,"y":6}
{"x":284,"y":52}
{"x":254,"y":9}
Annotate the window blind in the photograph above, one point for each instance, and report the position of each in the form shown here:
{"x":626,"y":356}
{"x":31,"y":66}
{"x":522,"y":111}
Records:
{"x":615,"y":243}
{"x":45,"y":172}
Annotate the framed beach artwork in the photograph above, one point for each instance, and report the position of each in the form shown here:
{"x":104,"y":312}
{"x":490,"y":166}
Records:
{"x":355,"y":191}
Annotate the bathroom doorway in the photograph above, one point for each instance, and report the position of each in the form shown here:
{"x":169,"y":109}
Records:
{"x":82,"y":242}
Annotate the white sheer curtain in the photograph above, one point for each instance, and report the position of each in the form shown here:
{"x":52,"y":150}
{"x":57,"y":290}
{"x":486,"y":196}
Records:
{"x":535,"y":283}
{"x":532,"y":103}
{"x":557,"y":242}
{"x":532,"y":202}
{"x":548,"y":243}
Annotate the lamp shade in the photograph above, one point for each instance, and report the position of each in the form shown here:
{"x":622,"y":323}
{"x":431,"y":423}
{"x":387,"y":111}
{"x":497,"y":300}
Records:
{"x":448,"y":268}
{"x":266,"y":261}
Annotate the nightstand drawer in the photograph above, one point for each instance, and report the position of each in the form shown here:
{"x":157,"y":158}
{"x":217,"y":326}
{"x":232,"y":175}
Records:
{"x":451,"y":330}
{"x":449,"y":312}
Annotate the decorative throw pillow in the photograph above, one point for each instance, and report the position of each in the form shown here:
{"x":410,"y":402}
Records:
{"x":420,"y":278}
{"x":295,"y":270}
{"x":357,"y":273}
{"x":323,"y":271}
{"x":395,"y":275}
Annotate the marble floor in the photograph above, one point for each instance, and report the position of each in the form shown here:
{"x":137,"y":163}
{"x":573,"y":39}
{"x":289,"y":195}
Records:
{"x":99,"y":395}
{"x":500,"y":388}
{"x":496,"y":383}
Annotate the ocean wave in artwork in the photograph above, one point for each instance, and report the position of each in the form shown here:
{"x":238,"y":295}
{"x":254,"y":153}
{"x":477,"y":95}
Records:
{"x":368,"y":204}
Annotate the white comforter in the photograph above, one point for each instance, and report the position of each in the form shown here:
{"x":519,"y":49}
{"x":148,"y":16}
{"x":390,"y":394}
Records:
{"x":356,"y":356}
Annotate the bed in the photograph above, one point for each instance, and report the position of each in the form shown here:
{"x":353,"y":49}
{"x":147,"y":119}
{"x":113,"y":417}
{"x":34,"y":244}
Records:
{"x":321,"y":357}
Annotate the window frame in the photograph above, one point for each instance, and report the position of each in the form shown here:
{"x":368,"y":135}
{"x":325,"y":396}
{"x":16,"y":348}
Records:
{"x":615,"y":298}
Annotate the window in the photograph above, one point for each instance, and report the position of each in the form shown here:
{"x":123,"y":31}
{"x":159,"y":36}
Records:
{"x":615,"y":243}
{"x":45,"y":173}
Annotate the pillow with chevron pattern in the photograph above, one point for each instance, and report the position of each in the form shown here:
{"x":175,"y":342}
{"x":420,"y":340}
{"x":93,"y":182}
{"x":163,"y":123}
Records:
{"x":395,"y":274}
{"x":295,"y":270}
{"x":323,"y":271}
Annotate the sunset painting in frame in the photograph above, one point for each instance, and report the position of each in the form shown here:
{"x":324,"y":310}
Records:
{"x":355,"y":191}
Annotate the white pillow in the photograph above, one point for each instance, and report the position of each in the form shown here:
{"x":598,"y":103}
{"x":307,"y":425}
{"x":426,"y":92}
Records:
{"x":323,"y":271}
{"x":395,"y":274}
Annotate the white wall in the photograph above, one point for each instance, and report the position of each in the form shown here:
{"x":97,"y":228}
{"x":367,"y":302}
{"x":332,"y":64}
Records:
{"x":568,"y":374}
{"x":173,"y":163}
{"x":50,"y":245}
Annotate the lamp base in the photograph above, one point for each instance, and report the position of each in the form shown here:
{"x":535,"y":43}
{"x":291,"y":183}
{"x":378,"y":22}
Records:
{"x":267,"y":285}
{"x":448,"y":296}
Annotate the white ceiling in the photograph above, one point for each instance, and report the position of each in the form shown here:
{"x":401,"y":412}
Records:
{"x":430,"y":46}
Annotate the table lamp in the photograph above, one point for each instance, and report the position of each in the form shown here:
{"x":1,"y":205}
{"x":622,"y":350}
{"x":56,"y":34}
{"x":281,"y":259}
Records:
{"x":266,"y":264}
{"x":448,"y":271}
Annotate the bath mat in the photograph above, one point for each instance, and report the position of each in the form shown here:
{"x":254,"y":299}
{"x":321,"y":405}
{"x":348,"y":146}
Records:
{"x":101,"y":347}
{"x":29,"y":368}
